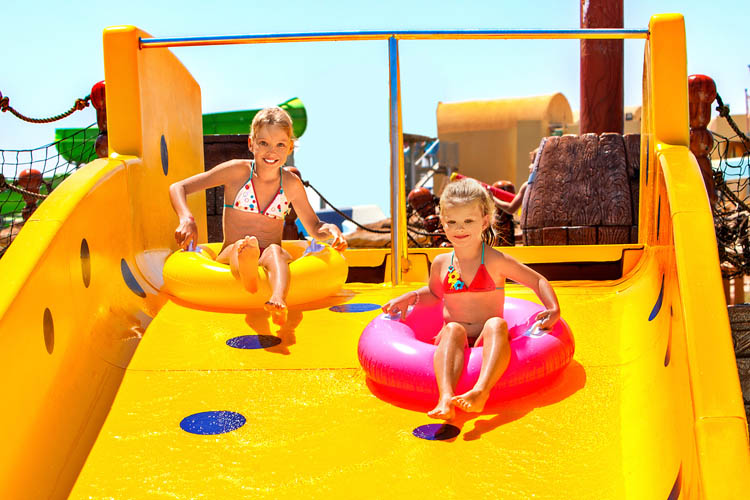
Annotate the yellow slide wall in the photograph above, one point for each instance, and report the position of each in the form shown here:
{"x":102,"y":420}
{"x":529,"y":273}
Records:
{"x":69,"y":320}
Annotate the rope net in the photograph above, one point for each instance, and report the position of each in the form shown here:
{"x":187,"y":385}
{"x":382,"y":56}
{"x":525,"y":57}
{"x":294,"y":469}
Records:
{"x":731,"y":174}
{"x":27,"y":176}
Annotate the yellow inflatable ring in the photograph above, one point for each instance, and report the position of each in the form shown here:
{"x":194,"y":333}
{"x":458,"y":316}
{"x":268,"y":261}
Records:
{"x":197,"y":278}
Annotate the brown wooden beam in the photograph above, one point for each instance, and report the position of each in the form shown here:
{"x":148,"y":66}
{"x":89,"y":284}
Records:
{"x":601,"y":70}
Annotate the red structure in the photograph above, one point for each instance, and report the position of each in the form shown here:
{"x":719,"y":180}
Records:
{"x":701,"y":93}
{"x":30,"y":180}
{"x":98,"y":99}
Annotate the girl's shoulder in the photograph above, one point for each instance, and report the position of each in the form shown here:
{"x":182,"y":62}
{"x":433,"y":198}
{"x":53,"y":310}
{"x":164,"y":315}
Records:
{"x":440,"y":262}
{"x":502,"y":262}
{"x":492,"y":253}
{"x":291,"y":182}
{"x":441,"y":258}
{"x":495,"y":257}
{"x":289,"y":175}
{"x":238,"y":167}
{"x":438,"y":268}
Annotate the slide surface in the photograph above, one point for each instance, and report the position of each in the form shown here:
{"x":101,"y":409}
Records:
{"x":609,"y":427}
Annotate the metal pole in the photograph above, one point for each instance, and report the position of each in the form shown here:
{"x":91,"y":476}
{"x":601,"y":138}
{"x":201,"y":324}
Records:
{"x":398,"y":197}
{"x":747,"y":112}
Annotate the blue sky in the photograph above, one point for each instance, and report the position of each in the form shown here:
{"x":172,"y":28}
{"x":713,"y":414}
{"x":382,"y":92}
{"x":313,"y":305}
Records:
{"x":52,"y":54}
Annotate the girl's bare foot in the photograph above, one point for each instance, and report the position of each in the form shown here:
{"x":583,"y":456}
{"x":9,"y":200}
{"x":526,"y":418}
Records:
{"x":247,"y":263}
{"x":444,"y":409}
{"x":472,"y":401}
{"x":278,"y":310}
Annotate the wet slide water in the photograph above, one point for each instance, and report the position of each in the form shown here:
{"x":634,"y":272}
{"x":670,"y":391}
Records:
{"x":113,"y":389}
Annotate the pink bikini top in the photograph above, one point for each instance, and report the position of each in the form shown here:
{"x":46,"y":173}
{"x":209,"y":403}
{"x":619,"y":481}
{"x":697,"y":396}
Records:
{"x":482,"y":282}
{"x":248,"y":202}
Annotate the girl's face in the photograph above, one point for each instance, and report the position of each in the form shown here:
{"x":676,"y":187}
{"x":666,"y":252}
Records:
{"x":271,"y":145}
{"x":464,"y":223}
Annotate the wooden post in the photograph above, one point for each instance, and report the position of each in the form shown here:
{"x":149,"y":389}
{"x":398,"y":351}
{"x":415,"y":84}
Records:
{"x":739,"y":290}
{"x":601,"y":70}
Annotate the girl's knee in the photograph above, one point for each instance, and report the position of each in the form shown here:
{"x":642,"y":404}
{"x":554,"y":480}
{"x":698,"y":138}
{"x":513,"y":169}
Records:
{"x":270,"y":253}
{"x":275,"y":251}
{"x":455,"y":331}
{"x":224,"y":255}
{"x":496,"y":324}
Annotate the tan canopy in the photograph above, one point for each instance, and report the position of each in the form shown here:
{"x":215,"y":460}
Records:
{"x":495,"y":137}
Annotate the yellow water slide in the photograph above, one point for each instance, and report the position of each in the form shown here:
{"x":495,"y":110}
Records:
{"x":113,"y":390}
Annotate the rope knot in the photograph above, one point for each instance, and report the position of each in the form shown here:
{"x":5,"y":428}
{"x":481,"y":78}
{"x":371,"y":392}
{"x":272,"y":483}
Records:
{"x":723,"y":111}
{"x":4,"y":104}
{"x":81,"y":104}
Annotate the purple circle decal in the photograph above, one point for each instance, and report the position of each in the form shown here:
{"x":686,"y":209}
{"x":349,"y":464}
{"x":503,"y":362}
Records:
{"x":354,"y":308}
{"x":253,"y":341}
{"x":436,"y":432}
{"x":212,"y":422}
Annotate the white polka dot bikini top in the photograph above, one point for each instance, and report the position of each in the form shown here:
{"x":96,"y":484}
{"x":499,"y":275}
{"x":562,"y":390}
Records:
{"x":247,"y":201}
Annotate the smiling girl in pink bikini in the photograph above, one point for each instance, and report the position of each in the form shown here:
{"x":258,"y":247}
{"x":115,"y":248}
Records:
{"x":258,"y":194}
{"x":470,"y":282}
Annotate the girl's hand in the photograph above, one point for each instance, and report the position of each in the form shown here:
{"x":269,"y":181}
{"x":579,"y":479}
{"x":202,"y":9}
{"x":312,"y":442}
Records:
{"x":400,"y":305}
{"x":186,"y":232}
{"x":339,"y":243}
{"x":548,"y":318}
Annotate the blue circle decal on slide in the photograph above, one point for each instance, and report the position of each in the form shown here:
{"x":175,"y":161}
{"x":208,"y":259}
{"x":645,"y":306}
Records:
{"x":436,"y":432}
{"x":253,"y":341}
{"x":130,"y":280}
{"x":212,"y":422}
{"x":354,"y":308}
{"x":164,"y":155}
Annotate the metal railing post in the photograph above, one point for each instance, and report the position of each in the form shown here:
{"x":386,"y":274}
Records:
{"x":398,"y":196}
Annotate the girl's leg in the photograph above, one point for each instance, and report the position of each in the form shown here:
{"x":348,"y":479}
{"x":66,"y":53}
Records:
{"x":242,"y":257}
{"x":495,"y":359}
{"x":448,"y":363}
{"x":276,"y":261}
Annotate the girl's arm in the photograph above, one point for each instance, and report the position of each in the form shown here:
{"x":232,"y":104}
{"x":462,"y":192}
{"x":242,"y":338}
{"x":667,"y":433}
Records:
{"x":315,"y":227}
{"x":511,"y":207}
{"x":526,"y":276}
{"x":187,"y":230}
{"x":425,"y":296}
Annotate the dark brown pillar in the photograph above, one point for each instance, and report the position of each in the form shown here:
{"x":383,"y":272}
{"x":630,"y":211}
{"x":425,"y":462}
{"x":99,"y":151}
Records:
{"x":601,"y":70}
{"x":701,"y":94}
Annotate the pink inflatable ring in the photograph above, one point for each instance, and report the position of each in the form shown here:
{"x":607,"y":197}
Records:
{"x":397,"y":355}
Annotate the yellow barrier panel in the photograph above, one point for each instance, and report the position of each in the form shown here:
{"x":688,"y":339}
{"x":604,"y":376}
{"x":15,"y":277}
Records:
{"x":679,"y":216}
{"x":80,"y":281}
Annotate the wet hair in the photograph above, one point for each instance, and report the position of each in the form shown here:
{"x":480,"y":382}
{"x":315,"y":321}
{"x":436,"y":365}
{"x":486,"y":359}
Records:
{"x":272,"y":116}
{"x":464,"y":191}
